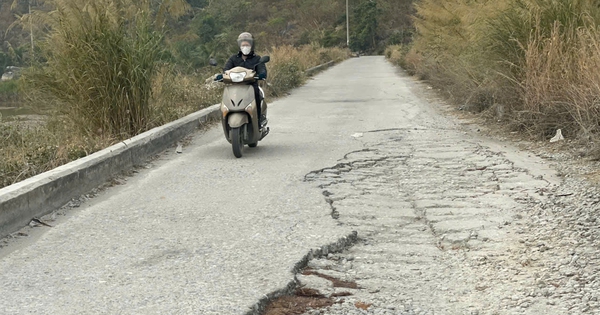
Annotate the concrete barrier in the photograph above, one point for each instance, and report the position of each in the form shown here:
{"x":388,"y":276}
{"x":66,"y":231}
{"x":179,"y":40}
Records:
{"x":44,"y":193}
{"x":318,"y":68}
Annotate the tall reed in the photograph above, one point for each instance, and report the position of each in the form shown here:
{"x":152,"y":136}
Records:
{"x":99,"y":66}
{"x":537,"y":59}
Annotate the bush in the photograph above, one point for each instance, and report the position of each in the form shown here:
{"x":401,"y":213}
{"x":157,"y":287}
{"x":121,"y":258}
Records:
{"x":9,"y":91}
{"x":286,"y":75}
{"x":8,"y":87}
{"x":288,"y":64}
{"x":27,"y":150}
{"x":30,"y":148}
{"x":397,"y":54}
{"x":537,"y":58}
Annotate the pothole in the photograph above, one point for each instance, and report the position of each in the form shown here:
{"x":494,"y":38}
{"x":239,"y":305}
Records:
{"x":299,"y":303}
{"x":295,"y":298}
{"x":310,"y":296}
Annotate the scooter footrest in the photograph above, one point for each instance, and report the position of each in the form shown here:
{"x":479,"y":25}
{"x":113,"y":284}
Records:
{"x":265,"y":132}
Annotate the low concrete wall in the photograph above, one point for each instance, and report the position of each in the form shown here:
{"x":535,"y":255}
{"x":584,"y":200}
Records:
{"x":318,"y":68}
{"x":44,"y":193}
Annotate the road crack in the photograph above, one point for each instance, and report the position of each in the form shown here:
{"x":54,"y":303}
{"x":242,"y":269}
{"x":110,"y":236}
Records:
{"x":433,"y":199}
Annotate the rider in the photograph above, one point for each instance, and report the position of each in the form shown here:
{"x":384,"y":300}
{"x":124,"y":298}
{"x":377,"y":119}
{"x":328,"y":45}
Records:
{"x":248,"y":59}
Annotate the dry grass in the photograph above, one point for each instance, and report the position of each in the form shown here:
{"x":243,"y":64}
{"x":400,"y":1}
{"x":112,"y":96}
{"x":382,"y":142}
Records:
{"x":176,"y":95}
{"x":537,"y":59}
{"x":562,"y":82}
{"x":398,"y":54}
{"x":27,"y":150}
{"x":288,"y":63}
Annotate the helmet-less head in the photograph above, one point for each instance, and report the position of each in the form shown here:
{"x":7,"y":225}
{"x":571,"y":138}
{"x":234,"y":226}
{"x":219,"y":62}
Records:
{"x":246,"y":43}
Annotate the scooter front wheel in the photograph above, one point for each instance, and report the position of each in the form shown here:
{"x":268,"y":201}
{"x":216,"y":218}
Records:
{"x":237,"y":143}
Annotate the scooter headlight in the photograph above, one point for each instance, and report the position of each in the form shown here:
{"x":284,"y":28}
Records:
{"x":237,"y":76}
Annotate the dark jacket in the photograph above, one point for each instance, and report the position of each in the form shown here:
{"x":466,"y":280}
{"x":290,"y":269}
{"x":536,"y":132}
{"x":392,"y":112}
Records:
{"x":253,"y":59}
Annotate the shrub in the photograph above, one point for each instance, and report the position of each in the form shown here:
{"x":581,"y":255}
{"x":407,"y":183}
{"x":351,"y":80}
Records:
{"x":550,"y":51}
{"x":538,"y":58}
{"x":8,"y":87}
{"x":27,"y":150}
{"x":397,"y":54}
{"x":288,"y":64}
{"x":9,"y":91}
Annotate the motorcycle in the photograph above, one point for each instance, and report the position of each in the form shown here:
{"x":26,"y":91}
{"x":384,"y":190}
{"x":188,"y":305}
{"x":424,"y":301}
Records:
{"x":239,"y":109}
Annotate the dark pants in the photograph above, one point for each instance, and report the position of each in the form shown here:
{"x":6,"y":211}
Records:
{"x":258,"y":100}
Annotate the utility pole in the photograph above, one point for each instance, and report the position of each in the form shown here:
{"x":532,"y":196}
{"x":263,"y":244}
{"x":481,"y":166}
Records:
{"x":30,"y":26}
{"x":347,"y":25}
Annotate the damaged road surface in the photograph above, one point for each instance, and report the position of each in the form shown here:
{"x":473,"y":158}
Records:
{"x":437,"y":212}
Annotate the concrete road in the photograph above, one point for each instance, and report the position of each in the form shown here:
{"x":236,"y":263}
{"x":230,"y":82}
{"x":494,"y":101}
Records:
{"x":203,"y":232}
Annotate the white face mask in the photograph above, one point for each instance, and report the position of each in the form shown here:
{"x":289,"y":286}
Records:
{"x":246,"y":50}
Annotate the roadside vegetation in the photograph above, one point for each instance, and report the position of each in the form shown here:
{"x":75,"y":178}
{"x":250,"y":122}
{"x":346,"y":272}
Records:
{"x":9,"y":92}
{"x":27,"y":150}
{"x":534,"y":64}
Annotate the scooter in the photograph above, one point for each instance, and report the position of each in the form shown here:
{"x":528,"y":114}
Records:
{"x":239,"y":109}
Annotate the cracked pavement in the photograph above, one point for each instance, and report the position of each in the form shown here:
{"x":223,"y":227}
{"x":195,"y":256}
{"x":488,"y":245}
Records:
{"x":436,"y":207}
{"x":428,"y":205}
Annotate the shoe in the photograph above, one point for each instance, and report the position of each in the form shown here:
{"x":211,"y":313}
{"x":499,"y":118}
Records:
{"x":263,"y":121}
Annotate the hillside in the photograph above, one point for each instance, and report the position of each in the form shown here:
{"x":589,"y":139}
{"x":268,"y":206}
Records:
{"x":210,"y":27}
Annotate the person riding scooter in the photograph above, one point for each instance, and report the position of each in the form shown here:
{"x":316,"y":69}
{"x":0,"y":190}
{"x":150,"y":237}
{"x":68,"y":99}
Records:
{"x":243,"y":108}
{"x":248,"y":59}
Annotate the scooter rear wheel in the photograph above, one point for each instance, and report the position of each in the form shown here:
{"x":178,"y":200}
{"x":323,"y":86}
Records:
{"x":237,"y":143}
{"x":253,"y":145}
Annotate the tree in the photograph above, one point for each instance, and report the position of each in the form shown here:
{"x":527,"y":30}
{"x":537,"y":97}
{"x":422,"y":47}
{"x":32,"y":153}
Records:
{"x":197,"y":4}
{"x":363,"y":30}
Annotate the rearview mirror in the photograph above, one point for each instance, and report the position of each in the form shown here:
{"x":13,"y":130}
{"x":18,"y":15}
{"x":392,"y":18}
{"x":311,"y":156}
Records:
{"x":265,"y":59}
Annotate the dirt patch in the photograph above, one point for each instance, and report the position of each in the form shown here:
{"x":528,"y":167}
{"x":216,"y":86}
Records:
{"x":362,"y":306}
{"x":307,"y":298}
{"x":303,"y":300}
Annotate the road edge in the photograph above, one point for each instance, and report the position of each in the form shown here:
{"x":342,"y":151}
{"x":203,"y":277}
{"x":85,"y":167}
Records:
{"x":46,"y":192}
{"x":314,"y":70}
